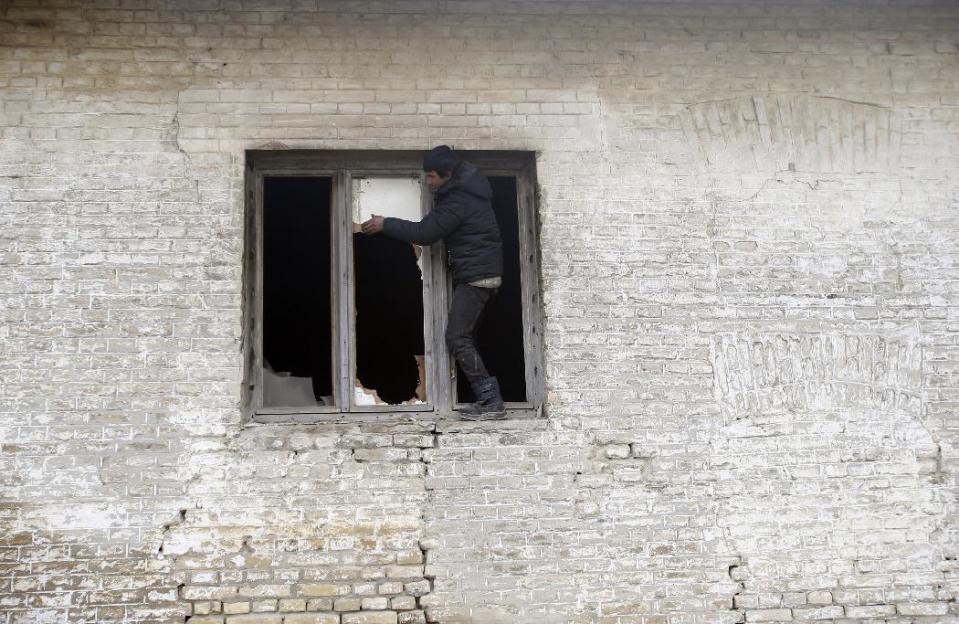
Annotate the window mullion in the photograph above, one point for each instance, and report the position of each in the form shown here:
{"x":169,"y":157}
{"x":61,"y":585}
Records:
{"x":433,"y":316}
{"x":342,"y":284}
{"x":430,"y":333}
{"x":529,"y":277}
{"x":258,"y":346}
{"x":442,"y":368}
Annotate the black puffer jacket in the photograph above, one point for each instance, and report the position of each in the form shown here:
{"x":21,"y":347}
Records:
{"x":463,"y":217}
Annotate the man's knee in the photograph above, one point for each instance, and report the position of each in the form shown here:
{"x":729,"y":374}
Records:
{"x":455,"y":338}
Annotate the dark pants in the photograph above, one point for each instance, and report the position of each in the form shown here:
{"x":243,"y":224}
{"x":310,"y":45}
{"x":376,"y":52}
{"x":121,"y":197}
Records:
{"x":465,"y":313}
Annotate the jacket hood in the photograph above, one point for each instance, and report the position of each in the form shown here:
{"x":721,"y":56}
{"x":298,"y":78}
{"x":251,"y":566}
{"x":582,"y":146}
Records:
{"x":468,"y":179}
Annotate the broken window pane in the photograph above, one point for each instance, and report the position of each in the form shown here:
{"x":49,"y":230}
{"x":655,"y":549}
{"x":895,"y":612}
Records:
{"x":388,"y":297}
{"x":500,"y":332}
{"x":297,"y":335}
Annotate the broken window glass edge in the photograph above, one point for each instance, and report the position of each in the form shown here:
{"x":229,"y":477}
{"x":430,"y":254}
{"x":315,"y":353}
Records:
{"x":389,"y":196}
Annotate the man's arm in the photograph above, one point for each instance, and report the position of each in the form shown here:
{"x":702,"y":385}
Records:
{"x":435,"y":225}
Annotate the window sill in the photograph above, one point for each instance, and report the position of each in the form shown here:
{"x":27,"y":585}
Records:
{"x":516,"y":417}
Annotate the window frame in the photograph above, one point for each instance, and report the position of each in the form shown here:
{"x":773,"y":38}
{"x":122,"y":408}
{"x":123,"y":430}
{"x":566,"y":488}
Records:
{"x":341,"y":166}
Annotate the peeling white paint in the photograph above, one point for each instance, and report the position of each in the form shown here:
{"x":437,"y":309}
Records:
{"x":388,"y":197}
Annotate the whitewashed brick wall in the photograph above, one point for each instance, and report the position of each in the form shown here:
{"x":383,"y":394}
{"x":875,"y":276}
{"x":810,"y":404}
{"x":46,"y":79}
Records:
{"x":749,"y":219}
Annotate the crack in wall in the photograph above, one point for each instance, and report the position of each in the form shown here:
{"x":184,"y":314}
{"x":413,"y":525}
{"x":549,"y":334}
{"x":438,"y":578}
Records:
{"x":425,"y":543}
{"x":165,"y":530}
{"x":735,"y":574}
{"x":175,"y":129}
{"x":188,"y":158}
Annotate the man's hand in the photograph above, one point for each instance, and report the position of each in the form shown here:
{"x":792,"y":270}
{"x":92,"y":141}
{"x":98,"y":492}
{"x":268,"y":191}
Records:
{"x":374,"y":225}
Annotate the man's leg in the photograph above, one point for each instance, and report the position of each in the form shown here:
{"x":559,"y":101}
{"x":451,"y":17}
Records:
{"x":465,"y":311}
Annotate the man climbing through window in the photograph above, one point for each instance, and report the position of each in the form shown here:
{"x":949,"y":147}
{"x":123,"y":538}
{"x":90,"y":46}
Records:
{"x":463,"y":218}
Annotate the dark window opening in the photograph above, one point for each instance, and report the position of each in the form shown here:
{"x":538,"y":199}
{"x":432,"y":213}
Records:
{"x":500,"y":332}
{"x":388,"y":293}
{"x":297,"y":336}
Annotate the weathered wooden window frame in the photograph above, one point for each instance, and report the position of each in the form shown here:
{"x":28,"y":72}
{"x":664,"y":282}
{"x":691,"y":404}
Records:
{"x":341,"y":167}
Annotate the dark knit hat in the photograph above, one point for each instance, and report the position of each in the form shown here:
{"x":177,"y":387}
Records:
{"x":440,"y":159}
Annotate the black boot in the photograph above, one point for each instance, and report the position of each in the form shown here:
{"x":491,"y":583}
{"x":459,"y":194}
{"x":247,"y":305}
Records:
{"x":489,"y":402}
